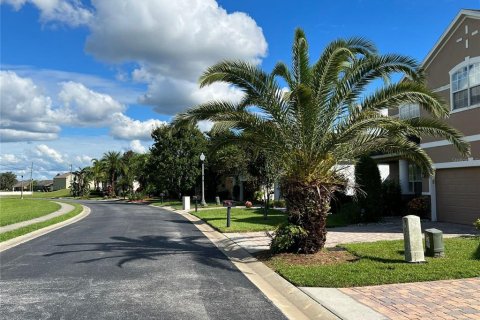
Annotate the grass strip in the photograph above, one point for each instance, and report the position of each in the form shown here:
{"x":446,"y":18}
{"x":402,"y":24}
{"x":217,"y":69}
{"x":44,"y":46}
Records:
{"x":18,"y":210}
{"x":27,"y":229}
{"x":383,"y":262}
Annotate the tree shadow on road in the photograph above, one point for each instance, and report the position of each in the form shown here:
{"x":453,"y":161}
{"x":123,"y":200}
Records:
{"x":150,"y":247}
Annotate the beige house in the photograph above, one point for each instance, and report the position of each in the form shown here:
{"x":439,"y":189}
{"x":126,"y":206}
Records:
{"x":453,"y":72}
{"x":62,"y":181}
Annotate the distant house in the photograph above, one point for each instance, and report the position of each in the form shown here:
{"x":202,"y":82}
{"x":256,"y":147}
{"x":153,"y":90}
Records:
{"x":18,"y":186}
{"x":453,"y":72}
{"x":43,"y":185}
{"x":62,"y":181}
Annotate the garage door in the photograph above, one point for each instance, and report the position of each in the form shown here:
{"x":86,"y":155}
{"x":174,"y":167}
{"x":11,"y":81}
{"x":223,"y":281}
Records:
{"x":458,"y":195}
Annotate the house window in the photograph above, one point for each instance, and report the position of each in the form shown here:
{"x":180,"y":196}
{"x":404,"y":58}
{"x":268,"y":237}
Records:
{"x":414,"y":178}
{"x":465,"y":83}
{"x":409,"y":111}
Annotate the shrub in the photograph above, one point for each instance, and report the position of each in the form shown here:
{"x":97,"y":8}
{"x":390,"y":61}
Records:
{"x":248,"y":204}
{"x":279,"y":204}
{"x":351,"y":211}
{"x":391,"y":197}
{"x":367,"y":177}
{"x":477,"y":224}
{"x":419,"y":206}
{"x":287,"y":238}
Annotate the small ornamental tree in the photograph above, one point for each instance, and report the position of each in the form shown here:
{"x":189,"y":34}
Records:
{"x":369,"y":195}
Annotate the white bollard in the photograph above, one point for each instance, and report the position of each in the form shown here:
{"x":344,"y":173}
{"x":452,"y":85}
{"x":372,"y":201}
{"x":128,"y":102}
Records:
{"x":186,"y":203}
{"x":412,"y":237}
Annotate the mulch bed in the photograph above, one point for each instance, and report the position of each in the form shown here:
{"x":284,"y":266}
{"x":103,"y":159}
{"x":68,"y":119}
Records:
{"x":323,"y":257}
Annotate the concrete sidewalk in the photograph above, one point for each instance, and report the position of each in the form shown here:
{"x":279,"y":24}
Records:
{"x":64,"y":208}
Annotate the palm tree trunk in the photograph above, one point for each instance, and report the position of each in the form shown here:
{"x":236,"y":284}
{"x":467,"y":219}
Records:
{"x":307,"y":207}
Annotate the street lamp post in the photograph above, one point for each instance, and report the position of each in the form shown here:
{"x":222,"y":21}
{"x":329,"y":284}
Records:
{"x":202,"y":158}
{"x":21,"y":188}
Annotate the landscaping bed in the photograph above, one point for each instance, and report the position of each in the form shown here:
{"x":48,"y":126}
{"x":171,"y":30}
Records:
{"x":18,"y":210}
{"x":376,"y":263}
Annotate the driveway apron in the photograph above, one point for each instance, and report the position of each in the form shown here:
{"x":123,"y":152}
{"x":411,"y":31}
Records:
{"x":126,"y":261}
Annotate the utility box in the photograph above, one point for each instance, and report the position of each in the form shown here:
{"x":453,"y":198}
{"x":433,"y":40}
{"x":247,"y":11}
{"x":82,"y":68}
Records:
{"x":434,"y":243}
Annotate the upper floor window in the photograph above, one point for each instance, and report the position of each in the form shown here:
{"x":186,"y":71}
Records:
{"x":465,"y":82}
{"x":409,"y":111}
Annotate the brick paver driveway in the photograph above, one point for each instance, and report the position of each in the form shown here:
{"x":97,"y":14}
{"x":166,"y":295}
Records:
{"x":446,"y":299}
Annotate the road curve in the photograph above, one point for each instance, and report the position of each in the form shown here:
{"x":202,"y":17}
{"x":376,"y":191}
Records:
{"x":126,"y":261}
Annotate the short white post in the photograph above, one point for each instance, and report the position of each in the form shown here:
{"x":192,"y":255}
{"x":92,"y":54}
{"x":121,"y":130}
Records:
{"x":186,"y":203}
{"x":412,"y":237}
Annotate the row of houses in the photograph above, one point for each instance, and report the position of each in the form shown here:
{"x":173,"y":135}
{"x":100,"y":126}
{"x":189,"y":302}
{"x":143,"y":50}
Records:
{"x":59,"y":182}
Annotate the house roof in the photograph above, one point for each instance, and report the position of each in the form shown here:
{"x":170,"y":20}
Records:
{"x":19,"y":184}
{"x":471,"y":13}
{"x":63,"y":175}
{"x":44,"y":183}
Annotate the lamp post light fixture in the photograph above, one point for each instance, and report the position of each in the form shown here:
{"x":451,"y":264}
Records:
{"x":202,"y":158}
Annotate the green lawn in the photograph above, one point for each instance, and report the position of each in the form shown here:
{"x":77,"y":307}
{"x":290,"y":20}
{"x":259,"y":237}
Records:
{"x":243,"y":220}
{"x":249,"y":220}
{"x":383,"y":263}
{"x":17,"y":210}
{"x":54,"y":194}
{"x":19,"y":232}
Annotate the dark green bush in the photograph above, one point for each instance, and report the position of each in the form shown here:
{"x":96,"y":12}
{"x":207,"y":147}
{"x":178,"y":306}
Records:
{"x":419,"y":207}
{"x":351,"y":211}
{"x":279,"y":204}
{"x":287,"y":238}
{"x":477,"y":224}
{"x":367,"y":178}
{"x":391,"y":197}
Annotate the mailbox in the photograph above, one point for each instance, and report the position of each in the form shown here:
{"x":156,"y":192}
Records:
{"x":228,"y":203}
{"x":434,"y":243}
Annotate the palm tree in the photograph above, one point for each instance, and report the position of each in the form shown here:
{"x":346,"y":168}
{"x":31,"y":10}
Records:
{"x":112,"y":163}
{"x":98,"y":173}
{"x":329,"y":116}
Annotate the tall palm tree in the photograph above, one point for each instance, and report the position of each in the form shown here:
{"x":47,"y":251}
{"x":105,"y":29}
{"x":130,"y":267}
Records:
{"x":98,"y":173}
{"x":329,"y":116}
{"x":112,"y":162}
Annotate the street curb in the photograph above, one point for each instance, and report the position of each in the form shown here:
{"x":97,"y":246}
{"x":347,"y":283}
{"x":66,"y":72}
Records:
{"x":40,"y":232}
{"x":292,"y":302}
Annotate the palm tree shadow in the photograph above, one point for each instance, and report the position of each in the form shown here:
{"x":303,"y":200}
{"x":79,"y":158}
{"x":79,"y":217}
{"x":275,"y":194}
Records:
{"x":149,"y":247}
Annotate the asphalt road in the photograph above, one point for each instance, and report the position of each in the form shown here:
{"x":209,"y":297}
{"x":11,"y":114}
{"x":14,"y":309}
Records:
{"x":126,"y":261}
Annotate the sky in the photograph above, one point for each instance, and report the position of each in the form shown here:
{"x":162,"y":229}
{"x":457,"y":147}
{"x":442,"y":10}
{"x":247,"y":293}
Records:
{"x":79,"y":78}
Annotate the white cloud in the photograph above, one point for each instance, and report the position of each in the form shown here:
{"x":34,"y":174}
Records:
{"x":7,"y":159}
{"x":85,"y":107}
{"x":126,"y":128}
{"x":69,"y":12}
{"x":43,"y":150}
{"x":22,"y":154}
{"x":25,"y":112}
{"x":205,"y":125}
{"x":173,"y":42}
{"x":137,"y":146}
{"x":125,"y":93}
{"x":169,"y":95}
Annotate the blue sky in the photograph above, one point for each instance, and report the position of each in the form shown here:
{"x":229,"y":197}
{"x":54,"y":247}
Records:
{"x":82,"y":78}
